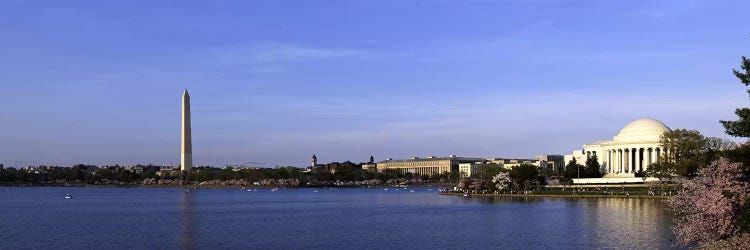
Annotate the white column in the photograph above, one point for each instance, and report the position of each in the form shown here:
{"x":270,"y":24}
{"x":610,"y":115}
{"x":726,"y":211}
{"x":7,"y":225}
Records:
{"x":633,"y":152}
{"x":622,"y":160}
{"x":637,"y":160}
{"x":625,"y":162}
{"x":615,"y":160}
{"x":650,"y":158}
{"x":619,"y":160}
{"x":606,"y":160}
{"x":609,"y":161}
{"x":629,"y":154}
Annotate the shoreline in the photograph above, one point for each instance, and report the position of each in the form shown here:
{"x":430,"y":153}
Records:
{"x":208,"y":186}
{"x":562,"y":196}
{"x":569,"y":196}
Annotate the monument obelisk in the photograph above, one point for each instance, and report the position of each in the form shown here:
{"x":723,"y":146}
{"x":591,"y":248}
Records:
{"x":186,"y":144}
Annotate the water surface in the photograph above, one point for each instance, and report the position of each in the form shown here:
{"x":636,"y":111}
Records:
{"x":366,"y":218}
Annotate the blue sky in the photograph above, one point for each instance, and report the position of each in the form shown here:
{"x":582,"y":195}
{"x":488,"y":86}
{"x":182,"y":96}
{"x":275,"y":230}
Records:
{"x":100,"y":82}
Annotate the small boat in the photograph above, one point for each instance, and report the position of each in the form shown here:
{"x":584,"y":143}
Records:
{"x":68,"y":196}
{"x":411,"y":191}
{"x":385,"y":189}
{"x":315,"y":191}
{"x":466,"y":195}
{"x":274,"y":189}
{"x":249,"y":190}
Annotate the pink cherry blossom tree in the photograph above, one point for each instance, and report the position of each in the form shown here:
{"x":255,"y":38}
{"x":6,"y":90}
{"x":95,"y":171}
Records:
{"x":710,"y":205}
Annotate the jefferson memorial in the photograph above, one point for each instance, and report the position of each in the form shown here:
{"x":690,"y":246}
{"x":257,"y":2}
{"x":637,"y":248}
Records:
{"x":633,"y":149}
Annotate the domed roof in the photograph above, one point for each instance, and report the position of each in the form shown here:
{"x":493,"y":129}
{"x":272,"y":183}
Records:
{"x":645,"y":129}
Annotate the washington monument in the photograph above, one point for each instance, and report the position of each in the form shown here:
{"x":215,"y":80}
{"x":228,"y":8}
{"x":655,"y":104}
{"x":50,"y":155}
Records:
{"x":186,"y":144}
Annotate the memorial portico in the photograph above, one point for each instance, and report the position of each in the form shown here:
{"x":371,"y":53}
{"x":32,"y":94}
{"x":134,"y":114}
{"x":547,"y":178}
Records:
{"x":633,"y":149}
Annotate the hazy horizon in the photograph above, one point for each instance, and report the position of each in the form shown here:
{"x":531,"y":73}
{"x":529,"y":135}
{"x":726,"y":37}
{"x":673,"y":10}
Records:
{"x":101,"y":82}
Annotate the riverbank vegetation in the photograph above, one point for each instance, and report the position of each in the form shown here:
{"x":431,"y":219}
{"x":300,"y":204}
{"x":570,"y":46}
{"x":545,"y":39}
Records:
{"x":333,"y":174}
{"x":713,"y":205}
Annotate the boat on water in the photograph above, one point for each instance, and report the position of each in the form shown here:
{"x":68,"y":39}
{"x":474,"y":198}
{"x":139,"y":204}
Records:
{"x":466,"y":195}
{"x":385,"y":189}
{"x":274,"y":189}
{"x":68,"y":196}
{"x":411,"y":191}
{"x":315,"y":191}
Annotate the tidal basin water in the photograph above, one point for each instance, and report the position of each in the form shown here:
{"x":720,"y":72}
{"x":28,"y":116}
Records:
{"x":344,"y":218}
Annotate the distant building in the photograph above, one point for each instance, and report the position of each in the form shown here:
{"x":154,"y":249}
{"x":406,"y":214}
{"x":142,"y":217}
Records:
{"x":555,"y":162}
{"x":511,"y":163}
{"x":426,"y":166}
{"x":211,"y":171}
{"x":469,"y":169}
{"x":314,"y":161}
{"x":168,"y":171}
{"x":371,"y":167}
{"x":577,"y":155}
{"x":515,"y":163}
{"x":138,"y":169}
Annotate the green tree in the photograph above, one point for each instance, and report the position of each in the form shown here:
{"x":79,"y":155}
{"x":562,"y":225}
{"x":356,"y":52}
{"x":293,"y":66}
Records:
{"x":124,"y":176}
{"x":685,"y":151}
{"x":149,"y":174}
{"x":488,"y":170}
{"x":524,"y":175}
{"x":715,"y":147}
{"x":573,"y":170}
{"x":344,"y":171}
{"x":226,"y":174}
{"x":322,"y":174}
{"x":27,"y":176}
{"x":203,"y":176}
{"x":9,"y":175}
{"x":593,"y":169}
{"x":103,"y":174}
{"x":740,"y":127}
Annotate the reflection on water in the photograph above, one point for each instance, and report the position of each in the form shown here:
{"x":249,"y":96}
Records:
{"x":328,"y":219}
{"x":594,"y":223}
{"x":186,"y":221}
{"x":628,"y":221}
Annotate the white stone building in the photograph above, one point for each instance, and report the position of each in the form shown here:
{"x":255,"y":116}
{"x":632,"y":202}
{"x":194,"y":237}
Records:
{"x":468,"y":169}
{"x":633,"y":149}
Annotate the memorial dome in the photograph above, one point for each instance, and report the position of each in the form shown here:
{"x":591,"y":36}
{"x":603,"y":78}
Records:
{"x":645,"y":129}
